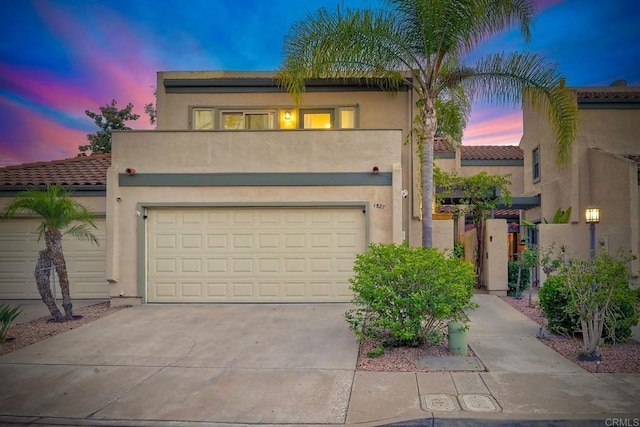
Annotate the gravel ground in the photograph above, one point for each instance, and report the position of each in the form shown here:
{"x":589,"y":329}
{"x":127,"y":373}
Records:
{"x":26,"y":334}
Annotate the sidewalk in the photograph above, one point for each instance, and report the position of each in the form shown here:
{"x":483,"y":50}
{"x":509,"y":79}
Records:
{"x":524,"y":380}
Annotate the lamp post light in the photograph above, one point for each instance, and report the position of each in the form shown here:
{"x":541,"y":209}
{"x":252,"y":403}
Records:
{"x":592,"y":217}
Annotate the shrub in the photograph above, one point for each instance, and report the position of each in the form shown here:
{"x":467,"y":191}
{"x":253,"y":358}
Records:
{"x":554,"y":299}
{"x":7,"y":315}
{"x":512,"y":271}
{"x":595,"y":289}
{"x":405,"y":296}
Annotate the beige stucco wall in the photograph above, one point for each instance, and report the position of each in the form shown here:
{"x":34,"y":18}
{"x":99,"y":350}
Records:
{"x":245,"y":152}
{"x":495,"y":256}
{"x":374,"y":110}
{"x":512,"y":173}
{"x":95,"y":204}
{"x":575,"y":237}
{"x":443,"y":234}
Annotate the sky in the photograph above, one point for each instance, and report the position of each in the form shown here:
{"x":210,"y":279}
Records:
{"x":59,"y":58}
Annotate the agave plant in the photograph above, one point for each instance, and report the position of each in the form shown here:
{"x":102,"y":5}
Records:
{"x":7,"y":315}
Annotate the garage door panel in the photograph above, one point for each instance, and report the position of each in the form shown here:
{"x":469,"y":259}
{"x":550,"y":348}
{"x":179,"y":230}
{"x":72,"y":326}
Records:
{"x":253,"y":254}
{"x":19,"y":251}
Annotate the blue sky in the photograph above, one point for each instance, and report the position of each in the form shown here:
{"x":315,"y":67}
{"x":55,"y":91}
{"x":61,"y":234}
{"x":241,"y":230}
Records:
{"x":61,"y":57}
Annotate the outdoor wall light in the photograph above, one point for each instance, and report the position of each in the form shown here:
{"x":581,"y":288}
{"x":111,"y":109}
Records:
{"x":375,"y":170}
{"x":592,"y":217}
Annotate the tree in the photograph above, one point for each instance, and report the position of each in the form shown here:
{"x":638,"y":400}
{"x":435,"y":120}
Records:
{"x":478,"y":195}
{"x":60,"y":215}
{"x":421,"y":44}
{"x":109,"y":119}
{"x":152,"y":108}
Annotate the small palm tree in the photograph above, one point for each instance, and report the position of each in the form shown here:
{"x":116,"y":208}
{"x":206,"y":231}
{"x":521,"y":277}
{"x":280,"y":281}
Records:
{"x":422,"y":44}
{"x":60,"y":215}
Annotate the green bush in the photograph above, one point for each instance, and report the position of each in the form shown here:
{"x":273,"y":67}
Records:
{"x":7,"y":315}
{"x":405,"y":296}
{"x":622,"y":313}
{"x":554,"y":299}
{"x":512,"y":280}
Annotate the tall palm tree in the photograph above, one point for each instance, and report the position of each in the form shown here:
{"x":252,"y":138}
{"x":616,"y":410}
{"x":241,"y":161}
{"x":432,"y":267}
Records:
{"x":422,"y":44}
{"x":60,"y":215}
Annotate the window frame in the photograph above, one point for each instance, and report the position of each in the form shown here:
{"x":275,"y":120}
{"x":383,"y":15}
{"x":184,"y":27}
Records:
{"x":535,"y":164}
{"x":271,"y":114}
{"x":192,"y":118}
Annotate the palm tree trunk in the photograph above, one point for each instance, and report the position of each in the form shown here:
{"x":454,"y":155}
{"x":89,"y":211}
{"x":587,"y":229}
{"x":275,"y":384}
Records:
{"x":427,"y":172}
{"x":53,"y":237}
{"x":43,"y":269}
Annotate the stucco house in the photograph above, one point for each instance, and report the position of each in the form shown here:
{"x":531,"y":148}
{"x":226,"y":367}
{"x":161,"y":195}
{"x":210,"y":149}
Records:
{"x":241,"y":196}
{"x":604,"y":171}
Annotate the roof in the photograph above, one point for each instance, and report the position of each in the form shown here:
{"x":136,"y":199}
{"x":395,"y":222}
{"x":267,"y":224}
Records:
{"x":77,"y":171}
{"x":491,"y":152}
{"x":607,"y":94}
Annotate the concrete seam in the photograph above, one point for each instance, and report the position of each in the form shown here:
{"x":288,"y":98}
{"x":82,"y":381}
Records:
{"x":91,"y":415}
{"x":353,"y":380}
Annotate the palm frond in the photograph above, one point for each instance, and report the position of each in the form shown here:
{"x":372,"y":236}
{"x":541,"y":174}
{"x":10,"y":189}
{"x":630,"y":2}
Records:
{"x":507,"y":78}
{"x":55,"y":206}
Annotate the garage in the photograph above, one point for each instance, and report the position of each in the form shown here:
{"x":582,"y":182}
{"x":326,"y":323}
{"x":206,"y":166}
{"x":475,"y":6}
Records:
{"x":252,"y":254}
{"x":19,"y":247}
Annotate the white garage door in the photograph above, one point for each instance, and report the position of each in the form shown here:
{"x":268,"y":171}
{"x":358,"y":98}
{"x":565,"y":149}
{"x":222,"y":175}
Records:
{"x":19,"y":247}
{"x":252,"y":254}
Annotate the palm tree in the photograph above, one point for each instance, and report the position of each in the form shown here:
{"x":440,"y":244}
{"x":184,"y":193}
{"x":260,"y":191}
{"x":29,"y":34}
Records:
{"x":421,"y":44}
{"x":60,"y":215}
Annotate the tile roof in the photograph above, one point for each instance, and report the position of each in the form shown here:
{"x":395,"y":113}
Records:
{"x":607,"y":94}
{"x":491,"y":152}
{"x":80,"y":171}
{"x":439,"y":145}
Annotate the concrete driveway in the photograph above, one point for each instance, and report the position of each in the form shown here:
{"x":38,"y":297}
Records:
{"x":213,"y":363}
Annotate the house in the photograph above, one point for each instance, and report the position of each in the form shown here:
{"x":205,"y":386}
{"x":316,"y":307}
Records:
{"x":239,"y":195}
{"x":603,"y":172}
{"x":19,"y":245}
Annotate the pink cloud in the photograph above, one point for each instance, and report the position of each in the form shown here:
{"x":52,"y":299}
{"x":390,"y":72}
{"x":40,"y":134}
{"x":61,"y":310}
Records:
{"x":503,"y":130}
{"x":110,"y":57}
{"x":47,"y":139}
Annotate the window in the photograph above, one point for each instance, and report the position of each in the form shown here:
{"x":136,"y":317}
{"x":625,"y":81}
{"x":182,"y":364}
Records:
{"x":317,"y":119}
{"x":240,"y":120}
{"x":347,"y":118}
{"x":536,"y":164}
{"x":202,"y":118}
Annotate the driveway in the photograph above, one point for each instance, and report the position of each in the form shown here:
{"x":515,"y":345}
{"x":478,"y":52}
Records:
{"x":214,"y":363}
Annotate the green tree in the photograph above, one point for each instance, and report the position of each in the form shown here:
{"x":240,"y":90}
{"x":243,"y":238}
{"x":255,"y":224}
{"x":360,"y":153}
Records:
{"x":60,"y":215}
{"x":109,"y":119}
{"x":478,"y":195}
{"x":422,"y":44}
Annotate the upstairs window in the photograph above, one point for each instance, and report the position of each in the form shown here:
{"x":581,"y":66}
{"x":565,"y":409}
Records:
{"x":242,"y":120}
{"x":202,"y":118}
{"x":347,"y":118}
{"x":535,"y":164}
{"x":317,"y":118}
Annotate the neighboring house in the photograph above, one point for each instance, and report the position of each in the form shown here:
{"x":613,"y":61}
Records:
{"x":604,"y":171}
{"x":19,"y":245}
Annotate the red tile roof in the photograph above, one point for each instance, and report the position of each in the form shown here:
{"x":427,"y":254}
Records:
{"x":82,"y":171}
{"x":608,"y":94}
{"x":439,"y":145}
{"x":491,"y":152}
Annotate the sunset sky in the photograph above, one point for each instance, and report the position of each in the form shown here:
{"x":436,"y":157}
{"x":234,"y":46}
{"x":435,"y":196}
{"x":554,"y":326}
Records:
{"x":61,"y":57}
